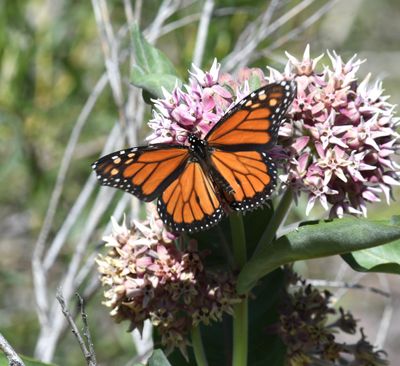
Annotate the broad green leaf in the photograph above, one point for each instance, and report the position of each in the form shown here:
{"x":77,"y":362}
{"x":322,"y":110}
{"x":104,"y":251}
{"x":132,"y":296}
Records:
{"x":27,"y":361}
{"x":158,"y":358}
{"x":313,"y":241}
{"x":385,"y":258}
{"x":153,"y":69}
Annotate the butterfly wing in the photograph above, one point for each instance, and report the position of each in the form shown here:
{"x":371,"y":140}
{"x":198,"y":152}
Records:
{"x":254,"y":122}
{"x":143,"y":171}
{"x":239,"y":143}
{"x":190,"y":203}
{"x":251,"y":176}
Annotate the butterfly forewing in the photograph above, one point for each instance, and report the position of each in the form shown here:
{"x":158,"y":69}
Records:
{"x":190,"y":202}
{"x":144,"y":171}
{"x":254,"y":122}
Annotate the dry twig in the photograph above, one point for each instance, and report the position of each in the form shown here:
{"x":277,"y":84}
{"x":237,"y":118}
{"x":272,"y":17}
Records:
{"x":86,"y":347}
{"x":346,"y":285}
{"x":12,"y":356}
{"x":202,"y":32}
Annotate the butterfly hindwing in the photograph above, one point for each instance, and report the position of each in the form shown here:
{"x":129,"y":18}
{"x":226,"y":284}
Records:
{"x":143,"y":171}
{"x":250,"y":175}
{"x":190,"y":203}
{"x":254,"y":122}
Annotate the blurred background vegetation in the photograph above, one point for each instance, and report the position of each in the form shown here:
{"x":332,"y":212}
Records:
{"x":50,"y":60}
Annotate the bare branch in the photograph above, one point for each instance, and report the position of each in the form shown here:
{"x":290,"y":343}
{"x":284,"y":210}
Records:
{"x":295,"y":32}
{"x":188,"y":19}
{"x":86,"y":330}
{"x":130,"y":16}
{"x":110,"y":52}
{"x":387,"y":315}
{"x":89,"y":354}
{"x":202,"y":32}
{"x":345,"y":285}
{"x":248,"y":45}
{"x":12,"y":356}
{"x":138,"y":10}
{"x":357,"y":277}
{"x":251,"y":33}
{"x":38,"y":270}
{"x":167,"y":8}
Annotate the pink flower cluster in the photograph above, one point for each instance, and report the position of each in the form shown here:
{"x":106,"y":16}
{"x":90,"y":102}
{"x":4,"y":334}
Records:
{"x":148,"y":277}
{"x":338,"y":143}
{"x":341,"y":136}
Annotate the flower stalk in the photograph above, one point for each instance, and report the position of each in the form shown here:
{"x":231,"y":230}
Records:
{"x":240,"y":317}
{"x":198,"y":349}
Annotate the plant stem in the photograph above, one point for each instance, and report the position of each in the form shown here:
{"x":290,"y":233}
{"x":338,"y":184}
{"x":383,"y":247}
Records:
{"x":276,"y":220}
{"x":240,"y":333}
{"x":238,"y":240}
{"x":198,"y":348}
{"x":240,"y":319}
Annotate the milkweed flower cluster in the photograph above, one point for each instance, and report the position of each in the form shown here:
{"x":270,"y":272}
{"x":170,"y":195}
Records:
{"x":310,"y":337}
{"x":148,"y":277}
{"x":341,"y":136}
{"x":337,"y":145}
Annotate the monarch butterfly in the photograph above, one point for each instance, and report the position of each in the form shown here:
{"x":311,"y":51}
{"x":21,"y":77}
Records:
{"x":196,"y":184}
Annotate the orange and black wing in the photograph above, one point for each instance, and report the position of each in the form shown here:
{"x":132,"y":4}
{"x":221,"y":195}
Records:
{"x":254,"y":122}
{"x":143,"y":171}
{"x":190,"y":203}
{"x":248,"y":177}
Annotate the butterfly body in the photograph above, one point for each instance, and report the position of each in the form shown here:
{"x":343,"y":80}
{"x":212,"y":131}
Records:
{"x":196,"y":185}
{"x":198,"y":147}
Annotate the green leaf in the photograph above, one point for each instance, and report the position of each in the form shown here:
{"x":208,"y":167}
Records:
{"x":27,"y":360}
{"x":158,"y":358}
{"x":153,"y":69}
{"x":385,"y":258}
{"x":313,"y":241}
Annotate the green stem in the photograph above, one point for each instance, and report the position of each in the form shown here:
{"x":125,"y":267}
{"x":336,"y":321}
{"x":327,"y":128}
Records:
{"x":238,"y":239}
{"x":240,"y":317}
{"x":198,"y":348}
{"x":276,"y":220}
{"x":240,"y":333}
